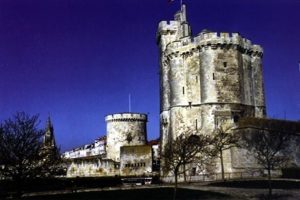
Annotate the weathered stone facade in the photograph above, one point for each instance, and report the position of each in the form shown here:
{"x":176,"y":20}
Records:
{"x":136,"y":160}
{"x":206,"y":80}
{"x":124,"y":129}
{"x":92,"y":166}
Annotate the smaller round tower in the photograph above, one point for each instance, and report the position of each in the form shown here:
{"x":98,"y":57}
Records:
{"x":124,"y":129}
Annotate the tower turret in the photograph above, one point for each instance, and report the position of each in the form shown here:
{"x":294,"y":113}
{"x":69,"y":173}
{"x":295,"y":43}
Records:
{"x":180,"y":16}
{"x":173,"y":30}
{"x":173,"y":90}
{"x":124,"y":129}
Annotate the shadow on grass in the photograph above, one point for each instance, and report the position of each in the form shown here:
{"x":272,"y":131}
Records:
{"x":274,"y":196}
{"x":137,"y":194}
{"x":259,"y":184}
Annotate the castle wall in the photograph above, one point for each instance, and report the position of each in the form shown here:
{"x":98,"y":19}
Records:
{"x":92,"y":167}
{"x":164,"y":87}
{"x":165,"y":132}
{"x":136,"y":160}
{"x":177,"y":77}
{"x":193,"y":79}
{"x":124,"y":129}
{"x":258,"y":87}
{"x":248,"y":97}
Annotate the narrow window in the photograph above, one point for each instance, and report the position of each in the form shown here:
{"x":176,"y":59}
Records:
{"x":196,"y":79}
{"x":235,"y":118}
{"x":225,"y":64}
{"x":196,"y":124}
{"x":216,"y":122}
{"x":182,"y":90}
{"x":193,"y":173}
{"x":213,"y":76}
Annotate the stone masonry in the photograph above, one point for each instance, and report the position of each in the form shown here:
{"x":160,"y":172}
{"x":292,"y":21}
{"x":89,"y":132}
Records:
{"x":124,"y":129}
{"x":206,"y":80}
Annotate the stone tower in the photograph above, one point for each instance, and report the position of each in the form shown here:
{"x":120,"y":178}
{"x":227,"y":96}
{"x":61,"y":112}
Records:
{"x":206,"y":80}
{"x":124,"y":129}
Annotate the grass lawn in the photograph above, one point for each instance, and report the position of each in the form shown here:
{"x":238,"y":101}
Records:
{"x":138,"y":194}
{"x":259,"y":184}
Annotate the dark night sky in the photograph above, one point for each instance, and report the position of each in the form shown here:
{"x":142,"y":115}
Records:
{"x":78,"y":60}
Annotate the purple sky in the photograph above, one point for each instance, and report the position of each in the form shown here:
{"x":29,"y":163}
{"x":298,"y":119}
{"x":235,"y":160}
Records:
{"x":78,"y":60}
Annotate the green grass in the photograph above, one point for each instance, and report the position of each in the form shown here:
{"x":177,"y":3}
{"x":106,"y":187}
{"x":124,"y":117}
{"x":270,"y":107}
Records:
{"x":137,"y":194}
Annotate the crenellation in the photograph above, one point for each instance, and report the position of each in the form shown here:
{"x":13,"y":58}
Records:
{"x":138,"y":116}
{"x":224,"y":35}
{"x":164,"y":26}
{"x":225,"y":40}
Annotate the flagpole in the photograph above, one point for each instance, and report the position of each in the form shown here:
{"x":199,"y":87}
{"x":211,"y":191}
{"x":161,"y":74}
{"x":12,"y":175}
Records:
{"x":129,"y":102}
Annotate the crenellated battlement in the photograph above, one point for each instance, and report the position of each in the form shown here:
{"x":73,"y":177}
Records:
{"x":214,"y":40}
{"x":167,"y":26}
{"x":126,"y":117}
{"x":227,"y":40}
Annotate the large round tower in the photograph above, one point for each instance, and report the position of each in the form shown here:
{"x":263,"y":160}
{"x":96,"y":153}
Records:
{"x":207,"y":80}
{"x":124,"y":129}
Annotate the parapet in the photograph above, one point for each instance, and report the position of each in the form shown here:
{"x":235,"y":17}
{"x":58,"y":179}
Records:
{"x":126,"y":117}
{"x":214,"y":40}
{"x":222,"y":39}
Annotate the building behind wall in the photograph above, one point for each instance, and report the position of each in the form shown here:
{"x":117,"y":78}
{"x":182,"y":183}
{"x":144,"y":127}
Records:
{"x":97,"y":148}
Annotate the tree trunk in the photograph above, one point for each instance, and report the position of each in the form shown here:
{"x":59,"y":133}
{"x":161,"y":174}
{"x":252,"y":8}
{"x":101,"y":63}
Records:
{"x":175,"y":186}
{"x":19,"y":187}
{"x":269,"y":182}
{"x":222,"y":165}
{"x":184,"y":173}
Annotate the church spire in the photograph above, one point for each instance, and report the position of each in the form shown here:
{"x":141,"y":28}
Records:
{"x":49,"y":140}
{"x":49,"y":123}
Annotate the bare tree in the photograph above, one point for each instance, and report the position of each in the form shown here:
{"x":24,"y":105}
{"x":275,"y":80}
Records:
{"x":269,"y":144}
{"x":21,"y":155}
{"x":223,"y":139}
{"x":185,"y":149}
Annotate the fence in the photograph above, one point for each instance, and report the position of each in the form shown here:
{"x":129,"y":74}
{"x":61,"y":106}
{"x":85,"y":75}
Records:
{"x":214,"y":177}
